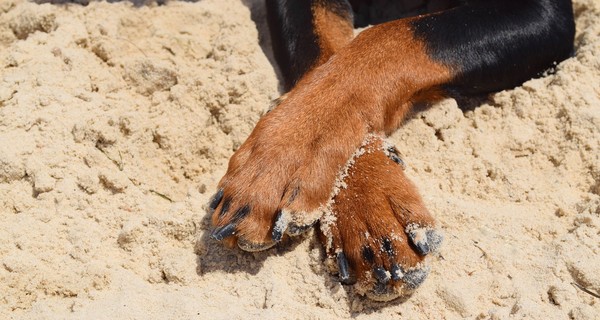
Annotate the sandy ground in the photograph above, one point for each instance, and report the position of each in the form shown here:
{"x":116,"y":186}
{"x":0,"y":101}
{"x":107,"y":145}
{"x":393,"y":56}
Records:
{"x":116,"y":122}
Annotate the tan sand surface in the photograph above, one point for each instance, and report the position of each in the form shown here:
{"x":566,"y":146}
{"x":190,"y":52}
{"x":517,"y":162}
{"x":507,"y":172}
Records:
{"x":116,"y":122}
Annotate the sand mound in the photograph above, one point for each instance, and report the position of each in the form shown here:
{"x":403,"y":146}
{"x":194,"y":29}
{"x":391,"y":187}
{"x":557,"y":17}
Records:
{"x":116,"y":122}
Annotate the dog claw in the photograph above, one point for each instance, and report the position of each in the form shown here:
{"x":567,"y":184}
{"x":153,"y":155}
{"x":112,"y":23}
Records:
{"x":295,"y":230}
{"x":414,"y":278}
{"x":228,"y":230}
{"x":381,"y":275}
{"x":343,"y":268}
{"x":422,"y":247}
{"x":240,"y":214}
{"x":397,"y":272}
{"x":434,"y":239}
{"x":225,"y":207}
{"x":393,"y":155}
{"x":397,"y":160}
{"x":215,"y":200}
{"x":425,"y":240}
{"x":223,"y":232}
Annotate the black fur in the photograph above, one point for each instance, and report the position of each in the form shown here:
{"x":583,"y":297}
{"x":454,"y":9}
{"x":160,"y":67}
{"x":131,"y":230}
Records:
{"x":489,"y":44}
{"x":295,"y":43}
{"x":371,"y":12}
{"x":368,"y":254}
{"x":495,"y":45}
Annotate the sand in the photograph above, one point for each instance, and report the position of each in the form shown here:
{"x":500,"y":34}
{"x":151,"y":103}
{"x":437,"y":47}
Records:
{"x":117,"y":120}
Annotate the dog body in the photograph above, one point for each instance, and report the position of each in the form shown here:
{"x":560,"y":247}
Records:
{"x":346,"y":92}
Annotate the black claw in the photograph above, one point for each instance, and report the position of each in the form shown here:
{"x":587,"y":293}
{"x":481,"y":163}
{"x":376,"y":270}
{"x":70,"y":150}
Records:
{"x":223,"y":232}
{"x":279,"y":227}
{"x":229,"y":229}
{"x":393,"y":155}
{"x":343,"y":268}
{"x":216,"y":199}
{"x":368,"y":254}
{"x":225,"y":207}
{"x":434,"y":239}
{"x":294,"y":229}
{"x":416,"y":277}
{"x":397,"y":160}
{"x":240,"y":214}
{"x":421,"y":245}
{"x":397,"y":272}
{"x":381,"y":275}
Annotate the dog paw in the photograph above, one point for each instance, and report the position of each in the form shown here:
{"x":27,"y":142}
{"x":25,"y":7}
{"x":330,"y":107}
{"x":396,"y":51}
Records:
{"x":378,"y":232}
{"x":281,"y":178}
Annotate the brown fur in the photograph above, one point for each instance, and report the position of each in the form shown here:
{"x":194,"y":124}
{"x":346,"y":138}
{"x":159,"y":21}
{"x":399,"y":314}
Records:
{"x":333,"y":32}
